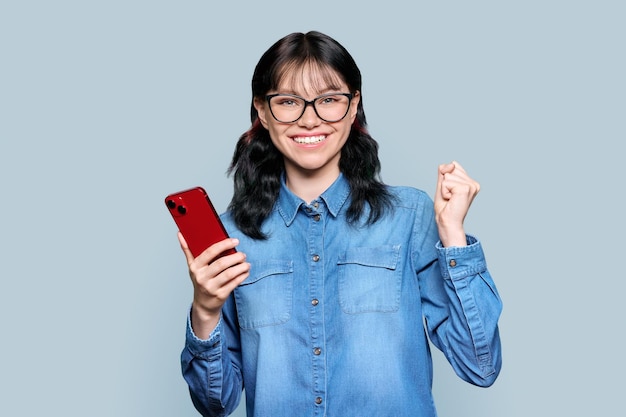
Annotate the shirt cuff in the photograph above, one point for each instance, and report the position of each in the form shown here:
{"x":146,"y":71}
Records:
{"x":204,"y":348}
{"x":458,"y":262}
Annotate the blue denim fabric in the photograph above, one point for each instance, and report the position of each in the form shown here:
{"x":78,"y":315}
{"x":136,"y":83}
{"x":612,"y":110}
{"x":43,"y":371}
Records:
{"x":334,"y":318}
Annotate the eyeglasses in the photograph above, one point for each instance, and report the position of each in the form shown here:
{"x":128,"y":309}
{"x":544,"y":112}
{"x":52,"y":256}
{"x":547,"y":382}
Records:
{"x":288,"y":108}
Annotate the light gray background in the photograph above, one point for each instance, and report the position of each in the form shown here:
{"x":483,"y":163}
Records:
{"x":107,"y":106}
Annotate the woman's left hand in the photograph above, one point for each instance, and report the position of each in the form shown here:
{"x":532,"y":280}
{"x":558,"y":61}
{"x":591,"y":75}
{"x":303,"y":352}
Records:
{"x":454,"y":195}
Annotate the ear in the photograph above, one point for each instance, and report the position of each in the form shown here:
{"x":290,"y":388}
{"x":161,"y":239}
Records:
{"x":354,"y":105}
{"x":261,"y":108}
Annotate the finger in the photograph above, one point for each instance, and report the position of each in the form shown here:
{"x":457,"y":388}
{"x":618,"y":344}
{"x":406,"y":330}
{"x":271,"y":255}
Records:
{"x":457,"y":167}
{"x":214,"y":251}
{"x":443,"y":187}
{"x":230,"y":286}
{"x":460,"y":176}
{"x":231,"y":277}
{"x":446,"y":168}
{"x":211,"y":294}
{"x":442,"y":170}
{"x":221,"y":285}
{"x":217,"y":271}
{"x":210,"y":278}
{"x":445,"y":190}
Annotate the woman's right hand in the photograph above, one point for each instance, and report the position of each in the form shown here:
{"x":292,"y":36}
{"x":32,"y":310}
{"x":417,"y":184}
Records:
{"x":213,"y":277}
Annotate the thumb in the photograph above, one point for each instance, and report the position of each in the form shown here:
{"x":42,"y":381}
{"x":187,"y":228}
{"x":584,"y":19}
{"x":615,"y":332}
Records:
{"x":443,"y":193}
{"x":185,"y":248}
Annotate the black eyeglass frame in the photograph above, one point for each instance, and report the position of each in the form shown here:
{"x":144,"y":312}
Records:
{"x":311,"y":103}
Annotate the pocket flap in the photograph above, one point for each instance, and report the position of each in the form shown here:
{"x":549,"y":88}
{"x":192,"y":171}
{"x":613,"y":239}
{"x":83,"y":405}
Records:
{"x":382,"y":256}
{"x":266,"y":268}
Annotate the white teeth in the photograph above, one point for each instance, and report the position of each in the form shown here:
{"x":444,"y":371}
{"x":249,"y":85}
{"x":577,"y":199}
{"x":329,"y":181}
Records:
{"x":309,"y":139}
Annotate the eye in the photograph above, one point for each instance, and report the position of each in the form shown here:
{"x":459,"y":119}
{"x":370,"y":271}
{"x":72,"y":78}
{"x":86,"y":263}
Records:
{"x":286,"y":101}
{"x":331,"y":100}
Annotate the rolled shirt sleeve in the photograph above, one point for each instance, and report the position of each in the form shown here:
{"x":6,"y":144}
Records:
{"x":470,"y":339}
{"x":208,"y":367}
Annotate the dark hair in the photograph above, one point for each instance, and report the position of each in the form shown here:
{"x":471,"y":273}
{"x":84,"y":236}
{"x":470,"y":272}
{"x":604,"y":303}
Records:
{"x":257,"y":165}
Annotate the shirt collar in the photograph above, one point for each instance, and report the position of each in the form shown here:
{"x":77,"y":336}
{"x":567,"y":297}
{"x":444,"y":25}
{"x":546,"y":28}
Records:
{"x":334,"y":197}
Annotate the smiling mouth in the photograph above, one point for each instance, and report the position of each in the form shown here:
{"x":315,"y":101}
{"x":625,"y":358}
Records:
{"x":307,"y":140}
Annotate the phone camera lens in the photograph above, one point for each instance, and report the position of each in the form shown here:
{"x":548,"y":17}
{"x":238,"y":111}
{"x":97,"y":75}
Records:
{"x":171,"y":204}
{"x":182,"y":209}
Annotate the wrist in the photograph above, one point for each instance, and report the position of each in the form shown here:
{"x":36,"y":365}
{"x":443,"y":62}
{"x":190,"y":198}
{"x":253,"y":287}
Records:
{"x":203,"y":321}
{"x":455,"y":237}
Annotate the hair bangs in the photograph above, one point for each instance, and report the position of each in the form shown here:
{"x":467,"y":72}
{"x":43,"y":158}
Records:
{"x":308,"y":76}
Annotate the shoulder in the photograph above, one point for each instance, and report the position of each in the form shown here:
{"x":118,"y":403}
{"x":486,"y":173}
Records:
{"x":229,"y":224}
{"x":226,"y":217}
{"x":409,"y":197}
{"x":412,"y":202}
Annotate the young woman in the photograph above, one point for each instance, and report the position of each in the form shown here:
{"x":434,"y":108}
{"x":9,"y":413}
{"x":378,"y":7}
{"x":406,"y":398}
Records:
{"x":339,"y":279}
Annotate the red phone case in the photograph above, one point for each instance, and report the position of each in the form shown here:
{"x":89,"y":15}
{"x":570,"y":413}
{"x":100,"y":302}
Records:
{"x":196,"y":219}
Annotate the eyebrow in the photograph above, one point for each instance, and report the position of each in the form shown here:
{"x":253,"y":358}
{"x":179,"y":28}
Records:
{"x":319,"y":93}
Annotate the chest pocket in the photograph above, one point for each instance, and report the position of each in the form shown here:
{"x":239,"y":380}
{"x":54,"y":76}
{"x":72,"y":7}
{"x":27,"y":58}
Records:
{"x":265,"y":297}
{"x":370,"y":279}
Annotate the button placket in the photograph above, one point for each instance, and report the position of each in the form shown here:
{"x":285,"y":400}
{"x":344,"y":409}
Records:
{"x":314,"y":212}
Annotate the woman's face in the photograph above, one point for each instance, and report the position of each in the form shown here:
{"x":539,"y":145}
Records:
{"x":310,"y":146}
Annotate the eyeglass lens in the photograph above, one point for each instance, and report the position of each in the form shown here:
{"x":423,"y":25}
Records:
{"x":329,"y":107}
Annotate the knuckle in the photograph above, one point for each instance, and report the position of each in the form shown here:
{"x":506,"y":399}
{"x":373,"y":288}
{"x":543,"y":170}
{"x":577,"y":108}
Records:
{"x":218,"y":263}
{"x":230,"y":273}
{"x":194,"y":269}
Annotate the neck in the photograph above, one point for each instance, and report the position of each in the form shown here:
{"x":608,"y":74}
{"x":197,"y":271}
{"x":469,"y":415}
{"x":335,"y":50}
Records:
{"x":310,"y":185}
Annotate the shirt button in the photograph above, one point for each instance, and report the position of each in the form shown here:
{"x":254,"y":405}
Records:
{"x":316,"y":204}
{"x":317,"y":217}
{"x":318,"y":400}
{"x":316,"y":258}
{"x":317,"y":351}
{"x":315,"y":301}
{"x":452,"y":263}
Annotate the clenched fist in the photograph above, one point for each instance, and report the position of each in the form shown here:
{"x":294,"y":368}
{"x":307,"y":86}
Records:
{"x":454,"y":195}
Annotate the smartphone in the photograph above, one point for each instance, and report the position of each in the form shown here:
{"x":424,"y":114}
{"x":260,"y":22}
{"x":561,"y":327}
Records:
{"x":196,"y":219}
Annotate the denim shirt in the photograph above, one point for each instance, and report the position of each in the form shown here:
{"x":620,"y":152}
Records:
{"x":334,"y":318}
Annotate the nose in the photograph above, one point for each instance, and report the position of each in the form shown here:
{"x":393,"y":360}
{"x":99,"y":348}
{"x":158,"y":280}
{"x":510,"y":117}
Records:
{"x":309,"y":118}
